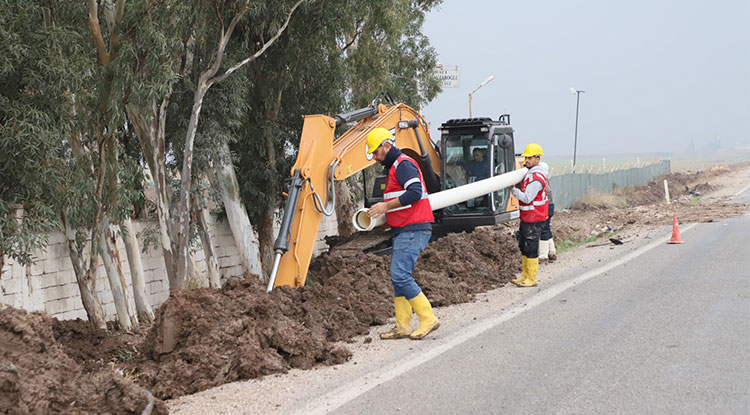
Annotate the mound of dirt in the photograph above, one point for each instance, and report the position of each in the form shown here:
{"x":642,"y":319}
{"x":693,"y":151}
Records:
{"x":37,"y":377}
{"x":679,"y":184}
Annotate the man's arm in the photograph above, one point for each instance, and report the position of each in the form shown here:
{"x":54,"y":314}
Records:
{"x":532,"y":190}
{"x":407,"y":175}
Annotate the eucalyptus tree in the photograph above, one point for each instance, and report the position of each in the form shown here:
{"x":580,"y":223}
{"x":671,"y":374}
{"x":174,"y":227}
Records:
{"x":335,"y":56}
{"x":45,"y":74}
{"x":29,"y":136}
{"x":114,"y":35}
{"x":304,"y":74}
{"x":385,"y":50}
{"x":206,"y":30}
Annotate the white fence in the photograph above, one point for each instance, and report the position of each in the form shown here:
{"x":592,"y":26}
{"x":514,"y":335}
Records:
{"x":568,"y":187}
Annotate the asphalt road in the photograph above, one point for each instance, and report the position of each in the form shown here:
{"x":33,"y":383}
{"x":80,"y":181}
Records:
{"x":664,"y":330}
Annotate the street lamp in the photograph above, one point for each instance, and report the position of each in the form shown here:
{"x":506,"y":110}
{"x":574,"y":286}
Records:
{"x":486,"y":81}
{"x":575,"y":139}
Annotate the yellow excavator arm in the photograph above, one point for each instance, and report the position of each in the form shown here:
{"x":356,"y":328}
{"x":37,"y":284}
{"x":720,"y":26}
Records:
{"x":322,"y":161}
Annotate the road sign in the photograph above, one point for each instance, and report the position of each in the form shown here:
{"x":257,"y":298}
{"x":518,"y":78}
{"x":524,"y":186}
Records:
{"x":448,"y":75}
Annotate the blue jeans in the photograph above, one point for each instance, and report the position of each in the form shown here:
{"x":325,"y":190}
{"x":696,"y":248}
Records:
{"x":546,"y":230}
{"x":407,"y":246}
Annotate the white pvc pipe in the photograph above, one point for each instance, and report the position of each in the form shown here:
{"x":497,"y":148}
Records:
{"x":439,"y":200}
{"x":363,"y":222}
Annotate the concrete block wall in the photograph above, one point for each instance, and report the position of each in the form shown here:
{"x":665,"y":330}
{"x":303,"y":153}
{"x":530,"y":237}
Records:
{"x":328,"y":226}
{"x":50,"y":284}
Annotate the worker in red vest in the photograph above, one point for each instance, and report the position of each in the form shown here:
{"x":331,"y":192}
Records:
{"x":534,"y":207}
{"x":407,"y":209}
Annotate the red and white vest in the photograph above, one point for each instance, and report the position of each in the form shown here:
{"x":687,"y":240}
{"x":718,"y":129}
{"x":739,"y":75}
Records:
{"x":538,"y":209}
{"x":417,"y":212}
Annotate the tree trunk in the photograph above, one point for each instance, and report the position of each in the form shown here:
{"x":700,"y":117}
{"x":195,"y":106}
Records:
{"x":182,"y":255}
{"x":212,"y":263}
{"x":138,"y":280}
{"x":85,"y":277}
{"x":242,"y":231}
{"x":113,"y":266}
{"x":150,"y":132}
{"x":266,"y":238}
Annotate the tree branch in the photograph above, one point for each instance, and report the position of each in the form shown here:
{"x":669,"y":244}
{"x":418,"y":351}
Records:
{"x":359,"y":28}
{"x":265,"y":46}
{"x":114,"y":40}
{"x":96,"y":33}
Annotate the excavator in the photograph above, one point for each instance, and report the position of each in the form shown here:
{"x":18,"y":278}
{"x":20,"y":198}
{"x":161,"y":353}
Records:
{"x":469,"y":150}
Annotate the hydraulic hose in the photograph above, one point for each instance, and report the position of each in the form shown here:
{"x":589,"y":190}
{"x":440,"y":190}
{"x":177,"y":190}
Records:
{"x":331,"y":191}
{"x":430,"y":178}
{"x":355,"y":115}
{"x":282,"y":241}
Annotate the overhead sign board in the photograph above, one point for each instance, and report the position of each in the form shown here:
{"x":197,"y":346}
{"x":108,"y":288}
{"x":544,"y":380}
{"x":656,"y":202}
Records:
{"x":448,"y":75}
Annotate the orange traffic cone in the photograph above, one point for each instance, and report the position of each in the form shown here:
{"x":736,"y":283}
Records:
{"x":675,"y":233}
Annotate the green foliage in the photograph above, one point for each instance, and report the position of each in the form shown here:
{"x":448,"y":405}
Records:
{"x":123,"y":355}
{"x":196,"y":283}
{"x":392,"y":54}
{"x":150,"y":237}
{"x":564,"y":245}
{"x":66,"y":144}
{"x":333,"y":57}
{"x":42,"y":75}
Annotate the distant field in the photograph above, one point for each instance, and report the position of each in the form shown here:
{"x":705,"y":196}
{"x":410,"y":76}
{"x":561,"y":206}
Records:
{"x":678,"y":162}
{"x":703,"y":164}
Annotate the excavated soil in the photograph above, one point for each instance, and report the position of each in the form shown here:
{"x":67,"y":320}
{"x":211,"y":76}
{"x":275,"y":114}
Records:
{"x":203,"y":338}
{"x":38,"y":377}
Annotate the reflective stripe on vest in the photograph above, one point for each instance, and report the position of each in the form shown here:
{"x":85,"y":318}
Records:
{"x":417,"y":212}
{"x":538,"y":209}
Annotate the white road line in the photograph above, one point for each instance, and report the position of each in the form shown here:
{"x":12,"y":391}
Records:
{"x":741,"y":191}
{"x":343,"y":395}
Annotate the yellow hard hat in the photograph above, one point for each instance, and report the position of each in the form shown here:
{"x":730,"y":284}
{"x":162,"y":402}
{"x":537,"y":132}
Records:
{"x":376,"y":137}
{"x":532,"y":150}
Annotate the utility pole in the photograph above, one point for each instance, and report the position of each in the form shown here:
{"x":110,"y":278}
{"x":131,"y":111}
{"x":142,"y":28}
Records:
{"x":486,"y":81}
{"x":575,"y":137}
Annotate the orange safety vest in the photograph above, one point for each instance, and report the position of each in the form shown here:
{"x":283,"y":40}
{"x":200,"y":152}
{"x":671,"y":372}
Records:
{"x":538,"y":209}
{"x":418,"y":212}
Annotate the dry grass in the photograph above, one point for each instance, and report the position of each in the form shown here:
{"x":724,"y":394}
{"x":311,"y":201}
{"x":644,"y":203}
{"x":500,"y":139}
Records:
{"x":596,"y":200}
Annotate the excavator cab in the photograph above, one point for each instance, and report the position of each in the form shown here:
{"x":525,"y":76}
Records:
{"x":475,"y":149}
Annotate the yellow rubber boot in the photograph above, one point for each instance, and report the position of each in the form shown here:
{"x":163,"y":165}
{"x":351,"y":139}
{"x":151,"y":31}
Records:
{"x":532,"y":267}
{"x":403,"y":320}
{"x":523,"y":273}
{"x":427,"y":320}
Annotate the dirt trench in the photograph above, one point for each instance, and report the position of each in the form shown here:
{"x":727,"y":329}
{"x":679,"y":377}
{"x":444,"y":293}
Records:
{"x":204,"y":338}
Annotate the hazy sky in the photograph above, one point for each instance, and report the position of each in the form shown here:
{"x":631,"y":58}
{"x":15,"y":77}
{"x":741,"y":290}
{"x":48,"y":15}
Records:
{"x":656,"y":73}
